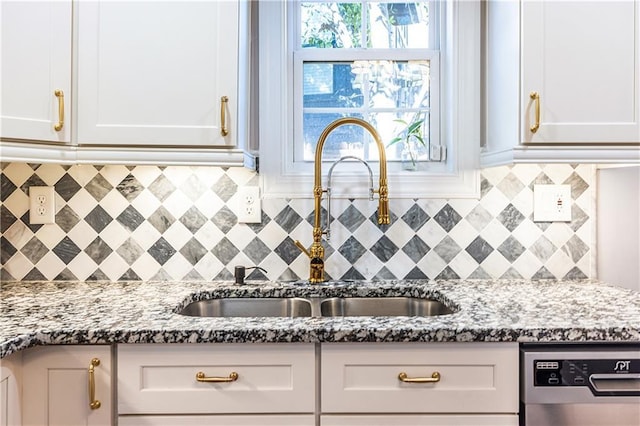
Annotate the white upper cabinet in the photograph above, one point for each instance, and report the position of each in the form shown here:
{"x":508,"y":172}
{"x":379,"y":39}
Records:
{"x":155,"y":73}
{"x":144,"y":82}
{"x":562,"y":81}
{"x":35,"y":65}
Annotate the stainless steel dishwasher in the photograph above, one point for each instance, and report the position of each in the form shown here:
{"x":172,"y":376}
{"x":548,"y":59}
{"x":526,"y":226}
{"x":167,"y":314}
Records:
{"x":580,"y":384}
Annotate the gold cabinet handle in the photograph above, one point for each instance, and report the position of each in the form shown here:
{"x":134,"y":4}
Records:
{"x":223,"y":116}
{"x":435,"y":377}
{"x":60,"y":124}
{"x":536,"y":97}
{"x":94,"y":404}
{"x":233,"y":376}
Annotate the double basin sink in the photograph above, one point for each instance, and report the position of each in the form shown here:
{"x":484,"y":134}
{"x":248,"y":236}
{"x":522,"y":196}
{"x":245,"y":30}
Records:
{"x":316,"y":307}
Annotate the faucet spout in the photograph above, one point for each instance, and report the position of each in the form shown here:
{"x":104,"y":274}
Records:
{"x":316,"y":252}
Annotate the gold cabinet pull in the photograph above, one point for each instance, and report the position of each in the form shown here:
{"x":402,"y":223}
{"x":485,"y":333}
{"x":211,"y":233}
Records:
{"x":536,"y":97}
{"x":60,"y":124}
{"x":94,"y":404}
{"x":435,"y":377}
{"x":200,"y":376}
{"x":223,"y":116}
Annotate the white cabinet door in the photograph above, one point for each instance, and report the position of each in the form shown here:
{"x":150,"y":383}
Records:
{"x":582,"y":60}
{"x":57,"y":385}
{"x":35,"y":63}
{"x":155,"y":73}
{"x":10,"y":374}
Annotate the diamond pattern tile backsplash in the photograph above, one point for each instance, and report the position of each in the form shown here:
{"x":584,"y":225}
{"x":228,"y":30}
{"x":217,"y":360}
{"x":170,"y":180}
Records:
{"x":179,"y":223}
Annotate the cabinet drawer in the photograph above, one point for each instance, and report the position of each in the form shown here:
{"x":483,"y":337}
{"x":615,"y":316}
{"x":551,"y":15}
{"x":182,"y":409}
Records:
{"x":473,"y":378}
{"x":421,"y":420}
{"x":161,"y":378}
{"x":219,"y":420}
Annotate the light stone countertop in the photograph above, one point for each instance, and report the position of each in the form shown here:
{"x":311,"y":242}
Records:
{"x":43,"y":313}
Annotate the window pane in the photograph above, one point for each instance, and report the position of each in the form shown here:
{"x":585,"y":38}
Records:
{"x":388,"y":25}
{"x":331,"y":25}
{"x":330,"y":84}
{"x":383,"y":84}
{"x":345,"y":140}
{"x":402,"y":133}
{"x":399,"y":25}
{"x":391,"y":95}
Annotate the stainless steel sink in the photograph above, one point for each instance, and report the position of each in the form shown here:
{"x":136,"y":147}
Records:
{"x":249,"y":307}
{"x":315,"y":307}
{"x":382,"y":306}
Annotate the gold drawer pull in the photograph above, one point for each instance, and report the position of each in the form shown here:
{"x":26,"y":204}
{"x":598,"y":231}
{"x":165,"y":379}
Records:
{"x":202,"y":378}
{"x":60,"y":124}
{"x":94,"y":404}
{"x":435,"y":377}
{"x":535,"y":97}
{"x":224,"y":131}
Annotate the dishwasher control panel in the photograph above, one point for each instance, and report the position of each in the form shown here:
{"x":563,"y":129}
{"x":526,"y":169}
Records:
{"x":599,"y":375}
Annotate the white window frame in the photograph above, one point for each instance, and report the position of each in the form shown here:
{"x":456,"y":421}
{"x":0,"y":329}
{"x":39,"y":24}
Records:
{"x":459,"y":114}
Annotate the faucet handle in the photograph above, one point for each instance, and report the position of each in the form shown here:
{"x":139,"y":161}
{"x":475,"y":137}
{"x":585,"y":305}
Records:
{"x":302,"y":248}
{"x":240,"y":271}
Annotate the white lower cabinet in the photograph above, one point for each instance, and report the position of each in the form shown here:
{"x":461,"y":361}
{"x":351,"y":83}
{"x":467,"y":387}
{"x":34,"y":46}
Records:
{"x":441,"y":383}
{"x":10,"y":381}
{"x":67,"y":385}
{"x":222,"y":384}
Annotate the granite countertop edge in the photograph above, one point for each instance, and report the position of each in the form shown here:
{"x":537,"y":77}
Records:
{"x":102,"y":312}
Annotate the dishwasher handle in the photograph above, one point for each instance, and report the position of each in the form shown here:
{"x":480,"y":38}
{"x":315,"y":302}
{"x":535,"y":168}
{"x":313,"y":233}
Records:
{"x":615,"y":384}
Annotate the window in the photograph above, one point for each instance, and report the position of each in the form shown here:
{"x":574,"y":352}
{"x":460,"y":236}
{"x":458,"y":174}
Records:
{"x":392,"y":63}
{"x":370,"y":60}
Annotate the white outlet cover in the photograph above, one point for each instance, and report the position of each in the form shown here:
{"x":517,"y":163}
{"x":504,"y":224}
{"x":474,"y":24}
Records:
{"x":552,"y":203}
{"x":249,"y":206}
{"x":42,"y":206}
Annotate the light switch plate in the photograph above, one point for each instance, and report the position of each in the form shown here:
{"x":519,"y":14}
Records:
{"x":552,"y":203}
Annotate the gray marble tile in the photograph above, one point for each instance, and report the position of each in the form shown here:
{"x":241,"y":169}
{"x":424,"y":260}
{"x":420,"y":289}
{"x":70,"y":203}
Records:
{"x":193,"y":251}
{"x":256,"y":251}
{"x":66,"y":250}
{"x":161,"y":187}
{"x":130,"y":187}
{"x":98,"y":219}
{"x":447,"y":218}
{"x":415,"y":217}
{"x":161,"y":251}
{"x":130,"y":251}
{"x":66,"y":219}
{"x":98,"y":187}
{"x":225,"y":219}
{"x":34,"y":250}
{"x":351,"y":218}
{"x":193,"y":220}
{"x":98,"y":250}
{"x":225,"y":251}
{"x":352,"y":250}
{"x":447,"y":249}
{"x":479,"y":249}
{"x":161,"y":219}
{"x":384,"y":249}
{"x":130,"y":218}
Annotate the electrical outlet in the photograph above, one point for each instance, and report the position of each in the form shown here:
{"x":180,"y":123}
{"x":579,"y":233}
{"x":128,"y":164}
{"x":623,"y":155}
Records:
{"x":42,"y":207}
{"x":249,"y":209}
{"x":552,"y":203}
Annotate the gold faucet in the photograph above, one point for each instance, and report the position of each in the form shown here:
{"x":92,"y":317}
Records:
{"x":316,"y":251}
